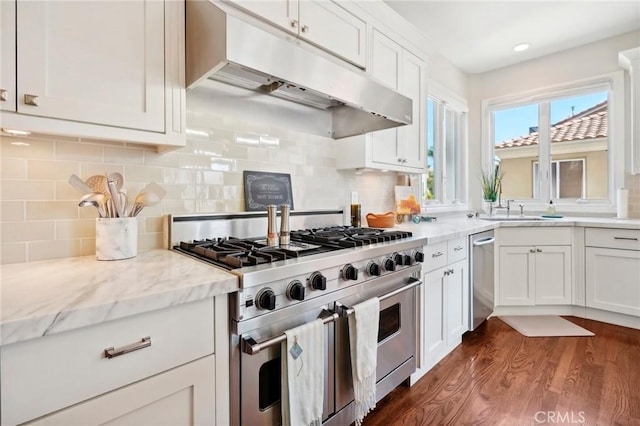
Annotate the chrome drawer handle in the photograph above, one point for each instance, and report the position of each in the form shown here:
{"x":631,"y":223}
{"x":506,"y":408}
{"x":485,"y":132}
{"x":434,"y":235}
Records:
{"x":458,"y":248}
{"x":625,"y":238}
{"x":4,"y":95}
{"x":113,"y":352}
{"x":437,"y":254}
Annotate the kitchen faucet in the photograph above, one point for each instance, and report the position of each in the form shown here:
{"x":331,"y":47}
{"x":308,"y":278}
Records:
{"x":508,"y":206}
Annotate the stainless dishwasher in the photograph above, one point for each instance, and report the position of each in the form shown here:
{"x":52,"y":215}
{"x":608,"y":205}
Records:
{"x":481,"y":277}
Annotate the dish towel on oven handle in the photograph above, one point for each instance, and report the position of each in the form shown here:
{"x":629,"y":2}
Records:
{"x":302,"y":398}
{"x":363,"y":341}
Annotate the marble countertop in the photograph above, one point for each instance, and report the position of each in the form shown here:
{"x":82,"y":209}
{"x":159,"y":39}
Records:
{"x":446,"y":228}
{"x":42,"y":298}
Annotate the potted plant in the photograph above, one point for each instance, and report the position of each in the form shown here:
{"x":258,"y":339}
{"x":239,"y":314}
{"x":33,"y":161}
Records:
{"x":491,"y":182}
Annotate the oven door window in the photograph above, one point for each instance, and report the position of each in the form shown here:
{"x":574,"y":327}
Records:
{"x":389,"y":322}
{"x":269,"y":386}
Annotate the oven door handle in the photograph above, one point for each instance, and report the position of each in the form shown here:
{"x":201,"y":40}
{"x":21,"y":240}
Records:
{"x":251,"y":347}
{"x":413,"y":282}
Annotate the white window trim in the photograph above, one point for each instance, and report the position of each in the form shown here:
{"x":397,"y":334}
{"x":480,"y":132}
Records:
{"x":557,"y":163}
{"x":446,"y":96}
{"x":616,"y":136}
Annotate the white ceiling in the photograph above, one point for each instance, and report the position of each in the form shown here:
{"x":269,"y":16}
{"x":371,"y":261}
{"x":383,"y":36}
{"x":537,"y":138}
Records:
{"x":479,"y":36}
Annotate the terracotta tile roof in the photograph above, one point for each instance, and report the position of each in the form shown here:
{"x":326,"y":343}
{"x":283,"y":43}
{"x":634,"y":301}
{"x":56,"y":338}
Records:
{"x":591,"y":123}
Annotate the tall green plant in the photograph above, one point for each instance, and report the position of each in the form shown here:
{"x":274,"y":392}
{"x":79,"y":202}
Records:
{"x":491,"y":184}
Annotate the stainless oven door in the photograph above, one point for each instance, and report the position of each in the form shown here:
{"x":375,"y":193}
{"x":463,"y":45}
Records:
{"x":259,"y":374}
{"x":396,"y":338}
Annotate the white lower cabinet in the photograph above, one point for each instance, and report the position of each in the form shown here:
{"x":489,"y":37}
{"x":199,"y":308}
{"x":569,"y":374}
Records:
{"x":181,"y":396}
{"x":612,"y":273}
{"x":154,"y":368}
{"x":535,"y":266}
{"x":445,"y":302}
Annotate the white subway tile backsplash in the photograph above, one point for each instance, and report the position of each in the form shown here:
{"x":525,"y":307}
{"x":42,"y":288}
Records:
{"x":144,"y":174}
{"x":48,"y":210}
{"x":55,"y":249}
{"x":13,"y":232}
{"x":72,"y":229}
{"x":119,"y":155}
{"x":12,"y":211}
{"x":79,"y":152}
{"x":27,"y":190}
{"x":13,"y":253}
{"x":13,"y":168}
{"x":25,"y":147}
{"x":47,"y":169}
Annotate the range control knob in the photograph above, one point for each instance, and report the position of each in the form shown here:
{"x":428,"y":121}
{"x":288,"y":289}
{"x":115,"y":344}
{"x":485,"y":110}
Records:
{"x":266,"y":299}
{"x":398,"y":259}
{"x":295,"y":290}
{"x":406,"y":260}
{"x":349,"y":272}
{"x":418,"y":256}
{"x":317,"y":281}
{"x":373,"y":269}
{"x":389,"y":264}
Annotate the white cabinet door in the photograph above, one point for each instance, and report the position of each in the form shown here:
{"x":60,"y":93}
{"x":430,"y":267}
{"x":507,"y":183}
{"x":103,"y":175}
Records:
{"x":457,"y":301}
{"x":613,"y":280}
{"x":516,"y":275}
{"x":386,"y":56}
{"x":283,"y":13}
{"x":412,"y":137}
{"x":8,"y":55}
{"x":435,"y":332}
{"x":92,"y":61}
{"x":328,"y":25}
{"x":182,"y":396}
{"x":553,"y":275}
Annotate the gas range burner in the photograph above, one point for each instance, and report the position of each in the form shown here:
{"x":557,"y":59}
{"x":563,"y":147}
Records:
{"x":232,"y":253}
{"x":347,"y":236}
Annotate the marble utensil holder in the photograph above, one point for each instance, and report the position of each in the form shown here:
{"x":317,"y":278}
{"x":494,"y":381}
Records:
{"x":116,"y":238}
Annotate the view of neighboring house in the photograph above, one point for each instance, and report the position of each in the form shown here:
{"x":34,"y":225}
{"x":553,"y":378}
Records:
{"x":578,"y":158}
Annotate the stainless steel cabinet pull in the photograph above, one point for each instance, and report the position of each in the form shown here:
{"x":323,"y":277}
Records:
{"x":539,"y":250}
{"x":437,"y":254}
{"x":625,"y":238}
{"x":458,"y":248}
{"x":305,"y":29}
{"x":4,"y":95}
{"x":31,"y":100}
{"x":251,"y":347}
{"x":532,"y":251}
{"x":294,"y":23}
{"x":113,"y":352}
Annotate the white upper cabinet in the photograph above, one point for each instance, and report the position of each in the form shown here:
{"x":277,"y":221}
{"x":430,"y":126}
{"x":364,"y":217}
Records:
{"x":100,"y":69}
{"x":8,"y":54}
{"x":403,"y":148}
{"x":321,"y":22}
{"x":630,"y":60}
{"x":107,"y":67}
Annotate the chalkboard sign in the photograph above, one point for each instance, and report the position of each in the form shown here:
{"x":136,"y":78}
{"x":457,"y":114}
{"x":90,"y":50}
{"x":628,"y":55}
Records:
{"x":263,"y":188}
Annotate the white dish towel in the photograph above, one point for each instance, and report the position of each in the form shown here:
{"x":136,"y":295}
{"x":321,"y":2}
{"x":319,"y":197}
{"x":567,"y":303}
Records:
{"x":302,"y":397}
{"x":363,"y":341}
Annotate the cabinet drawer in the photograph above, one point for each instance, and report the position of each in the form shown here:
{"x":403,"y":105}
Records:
{"x":66,"y":368}
{"x":456,"y":249}
{"x":628,"y":239}
{"x":435,"y":256}
{"x":551,"y":236}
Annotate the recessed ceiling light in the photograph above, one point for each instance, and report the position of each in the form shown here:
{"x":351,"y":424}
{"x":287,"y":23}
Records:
{"x":521,"y":47}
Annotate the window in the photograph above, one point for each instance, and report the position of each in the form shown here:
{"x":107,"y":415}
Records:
{"x":557,"y":148}
{"x":444,"y":181}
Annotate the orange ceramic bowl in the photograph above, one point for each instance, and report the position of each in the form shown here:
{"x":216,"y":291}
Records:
{"x":385,"y":220}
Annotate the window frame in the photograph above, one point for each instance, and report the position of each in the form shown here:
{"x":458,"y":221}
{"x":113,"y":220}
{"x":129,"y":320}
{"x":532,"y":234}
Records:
{"x":454,"y":102}
{"x":536,"y":182}
{"x":613,"y":83}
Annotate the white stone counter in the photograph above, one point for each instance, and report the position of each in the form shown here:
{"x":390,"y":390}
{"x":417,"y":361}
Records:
{"x":41,"y":298}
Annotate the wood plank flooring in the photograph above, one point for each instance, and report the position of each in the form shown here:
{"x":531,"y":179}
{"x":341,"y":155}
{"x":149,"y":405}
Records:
{"x":499,"y":377}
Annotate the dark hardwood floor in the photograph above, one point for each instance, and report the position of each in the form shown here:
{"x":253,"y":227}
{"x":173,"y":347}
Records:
{"x":499,"y":377}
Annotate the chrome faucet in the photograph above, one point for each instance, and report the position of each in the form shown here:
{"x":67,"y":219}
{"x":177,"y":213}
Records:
{"x":508,"y":206}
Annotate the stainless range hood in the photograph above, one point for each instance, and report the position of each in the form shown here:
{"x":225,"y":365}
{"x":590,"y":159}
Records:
{"x":225,"y":48}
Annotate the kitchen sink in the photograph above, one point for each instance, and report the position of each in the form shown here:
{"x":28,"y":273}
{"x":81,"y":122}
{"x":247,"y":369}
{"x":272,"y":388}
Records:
{"x":510,"y":218}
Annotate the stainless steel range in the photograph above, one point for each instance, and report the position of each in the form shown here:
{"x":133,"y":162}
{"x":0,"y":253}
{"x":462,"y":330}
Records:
{"x":323,"y":270}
